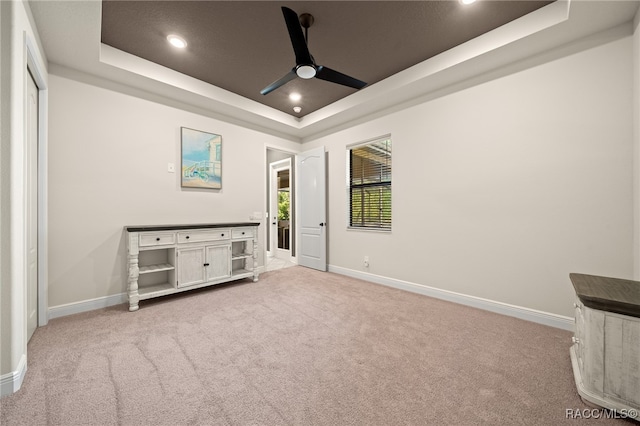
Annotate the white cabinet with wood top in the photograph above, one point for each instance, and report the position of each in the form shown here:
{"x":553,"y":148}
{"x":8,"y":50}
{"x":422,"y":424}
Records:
{"x":163,"y":260}
{"x":606,"y":345}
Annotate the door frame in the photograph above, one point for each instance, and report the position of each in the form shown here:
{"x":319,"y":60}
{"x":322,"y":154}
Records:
{"x":39,"y":73}
{"x":274,"y":168}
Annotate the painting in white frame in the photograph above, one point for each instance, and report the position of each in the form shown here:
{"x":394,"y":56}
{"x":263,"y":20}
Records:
{"x":201,"y":159}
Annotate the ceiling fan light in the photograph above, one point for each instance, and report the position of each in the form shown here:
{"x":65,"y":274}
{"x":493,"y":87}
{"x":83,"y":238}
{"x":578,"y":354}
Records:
{"x":306,"y":71}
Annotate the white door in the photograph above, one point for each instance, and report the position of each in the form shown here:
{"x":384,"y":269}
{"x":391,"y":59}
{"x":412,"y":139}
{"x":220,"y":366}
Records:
{"x":31,"y":153}
{"x":312,"y":221}
{"x":280,"y":207}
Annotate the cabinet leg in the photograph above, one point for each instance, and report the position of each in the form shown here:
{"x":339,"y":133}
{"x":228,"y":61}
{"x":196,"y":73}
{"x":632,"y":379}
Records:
{"x":132,"y":291}
{"x":255,"y":260}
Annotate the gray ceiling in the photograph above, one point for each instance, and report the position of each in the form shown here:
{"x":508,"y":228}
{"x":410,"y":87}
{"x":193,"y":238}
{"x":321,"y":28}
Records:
{"x":242,"y":46}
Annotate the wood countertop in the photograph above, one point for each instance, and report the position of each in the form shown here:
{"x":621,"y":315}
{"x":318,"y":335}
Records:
{"x":145,"y":228}
{"x":608,"y":294}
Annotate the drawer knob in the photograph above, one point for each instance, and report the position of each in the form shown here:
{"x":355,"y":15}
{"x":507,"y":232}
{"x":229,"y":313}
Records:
{"x":222,"y":235}
{"x":243,"y":233}
{"x":158,"y":239}
{"x":187,"y":237}
{"x":574,"y":339}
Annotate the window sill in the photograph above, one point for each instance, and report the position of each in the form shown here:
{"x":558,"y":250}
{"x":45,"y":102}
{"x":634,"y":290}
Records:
{"x":380,"y":230}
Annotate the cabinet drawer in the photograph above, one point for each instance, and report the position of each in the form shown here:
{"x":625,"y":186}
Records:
{"x":155,"y":239}
{"x":242,"y":233}
{"x":200,"y":236}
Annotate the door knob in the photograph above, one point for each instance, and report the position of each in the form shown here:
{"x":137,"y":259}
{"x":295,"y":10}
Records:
{"x":323,"y":224}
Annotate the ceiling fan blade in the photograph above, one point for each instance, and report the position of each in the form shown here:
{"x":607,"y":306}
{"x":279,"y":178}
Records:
{"x":281,"y":82}
{"x":333,"y":76}
{"x":303,"y":57}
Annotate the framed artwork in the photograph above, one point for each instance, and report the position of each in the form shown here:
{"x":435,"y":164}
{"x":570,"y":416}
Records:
{"x":201,"y":159}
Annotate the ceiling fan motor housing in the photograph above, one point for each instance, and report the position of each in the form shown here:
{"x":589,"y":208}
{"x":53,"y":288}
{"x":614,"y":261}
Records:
{"x":306,"y":71}
{"x":306,"y":20}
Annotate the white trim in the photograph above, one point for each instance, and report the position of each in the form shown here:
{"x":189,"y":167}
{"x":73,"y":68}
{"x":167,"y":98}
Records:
{"x":87,"y":305}
{"x":540,"y":317}
{"x":11,"y":382}
{"x":39,"y":73}
{"x":368,"y":141}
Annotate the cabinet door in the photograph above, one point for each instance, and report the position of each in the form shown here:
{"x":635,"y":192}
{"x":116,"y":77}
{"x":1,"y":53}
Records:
{"x":191,"y":269}
{"x":219,"y":262}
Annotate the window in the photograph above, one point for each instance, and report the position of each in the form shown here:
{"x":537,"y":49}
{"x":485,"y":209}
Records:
{"x":369,"y":185}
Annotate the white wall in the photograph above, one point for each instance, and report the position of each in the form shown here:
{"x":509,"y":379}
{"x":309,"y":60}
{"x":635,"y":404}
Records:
{"x":503,"y":189}
{"x":19,"y":38}
{"x":108,"y":161}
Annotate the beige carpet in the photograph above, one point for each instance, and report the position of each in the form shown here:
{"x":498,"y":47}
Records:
{"x":299,"y":347}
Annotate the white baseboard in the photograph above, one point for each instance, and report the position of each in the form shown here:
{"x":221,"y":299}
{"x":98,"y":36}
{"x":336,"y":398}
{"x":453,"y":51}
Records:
{"x":87,"y":305}
{"x":11,"y":382}
{"x":540,"y":317}
{"x":97,"y":303}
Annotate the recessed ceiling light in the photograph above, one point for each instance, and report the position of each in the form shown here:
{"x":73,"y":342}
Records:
{"x":467,"y":1}
{"x":177,"y":41}
{"x":295,"y":96}
{"x":297,"y":108}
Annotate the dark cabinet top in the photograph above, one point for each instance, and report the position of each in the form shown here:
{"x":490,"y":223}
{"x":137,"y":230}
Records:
{"x":608,"y":294}
{"x":145,"y":228}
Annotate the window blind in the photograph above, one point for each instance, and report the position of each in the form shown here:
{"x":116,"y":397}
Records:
{"x":370,"y":185}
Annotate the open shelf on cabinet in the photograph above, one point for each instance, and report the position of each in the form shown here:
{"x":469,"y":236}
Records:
{"x":157,"y":272}
{"x":156,"y":268}
{"x":156,"y":290}
{"x":238,"y":273}
{"x":241,"y":256}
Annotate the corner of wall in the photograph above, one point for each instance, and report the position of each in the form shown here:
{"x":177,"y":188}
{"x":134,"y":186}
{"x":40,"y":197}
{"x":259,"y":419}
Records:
{"x":20,"y":46}
{"x":5,"y":132}
{"x":11,"y":382}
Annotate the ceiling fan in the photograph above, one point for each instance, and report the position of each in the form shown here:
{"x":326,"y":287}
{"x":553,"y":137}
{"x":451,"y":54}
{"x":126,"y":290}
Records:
{"x":305,"y":65}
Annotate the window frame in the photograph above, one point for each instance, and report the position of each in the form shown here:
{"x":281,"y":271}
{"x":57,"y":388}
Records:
{"x":349,"y":149}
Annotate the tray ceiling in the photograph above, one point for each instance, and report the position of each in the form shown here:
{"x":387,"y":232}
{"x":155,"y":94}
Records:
{"x":242,"y":46}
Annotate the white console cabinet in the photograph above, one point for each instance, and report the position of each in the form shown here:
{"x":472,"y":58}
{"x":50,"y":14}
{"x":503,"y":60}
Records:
{"x":605,"y":354}
{"x":163,"y":260}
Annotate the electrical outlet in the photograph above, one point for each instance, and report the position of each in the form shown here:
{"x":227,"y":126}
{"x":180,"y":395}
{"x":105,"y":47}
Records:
{"x":171,"y":168}
{"x":366,"y":261}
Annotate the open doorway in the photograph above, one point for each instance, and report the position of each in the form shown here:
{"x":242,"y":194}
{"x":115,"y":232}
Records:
{"x":280,"y":210}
